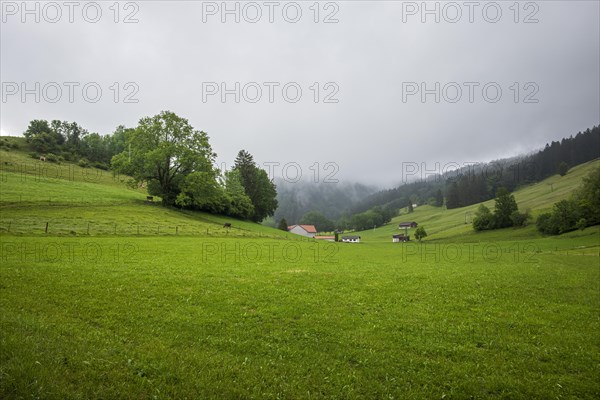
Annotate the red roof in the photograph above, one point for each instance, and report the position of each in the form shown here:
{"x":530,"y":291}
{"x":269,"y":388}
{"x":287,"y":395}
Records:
{"x":307,"y":228}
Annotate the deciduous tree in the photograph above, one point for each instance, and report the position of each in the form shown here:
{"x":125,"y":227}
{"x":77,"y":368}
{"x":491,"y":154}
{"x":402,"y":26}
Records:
{"x":163,"y":150}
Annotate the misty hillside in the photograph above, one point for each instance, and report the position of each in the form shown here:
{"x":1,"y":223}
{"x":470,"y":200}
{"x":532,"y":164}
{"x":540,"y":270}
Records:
{"x":476,"y":183}
{"x":331,"y":199}
{"x":461,"y":187}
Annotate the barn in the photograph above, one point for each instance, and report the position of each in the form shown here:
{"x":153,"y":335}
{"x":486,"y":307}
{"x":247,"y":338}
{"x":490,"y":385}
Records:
{"x":304,"y":230}
{"x":405,"y":225}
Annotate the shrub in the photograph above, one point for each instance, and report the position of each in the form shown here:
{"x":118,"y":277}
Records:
{"x":563,"y":168}
{"x":519,"y":218}
{"x":420,"y":233}
{"x":100,"y":165}
{"x":546,"y":224}
{"x":566,"y":214}
{"x":83,"y":163}
{"x":51,"y":157}
{"x":484,"y":219}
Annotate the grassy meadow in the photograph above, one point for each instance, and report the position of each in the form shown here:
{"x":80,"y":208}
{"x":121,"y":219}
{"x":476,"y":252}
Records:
{"x":182,"y":308}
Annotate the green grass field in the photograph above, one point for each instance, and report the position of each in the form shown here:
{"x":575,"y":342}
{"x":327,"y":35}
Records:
{"x":192,"y":310}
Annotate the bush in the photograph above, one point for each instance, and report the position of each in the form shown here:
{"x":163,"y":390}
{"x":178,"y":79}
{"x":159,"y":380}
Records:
{"x":484,"y":219}
{"x":566,"y":213}
{"x":100,"y":165}
{"x":69,"y":156}
{"x":34,"y":155}
{"x":51,"y":157}
{"x":547,"y":224}
{"x":563,"y":168}
{"x":83,"y":163}
{"x":519,"y":218}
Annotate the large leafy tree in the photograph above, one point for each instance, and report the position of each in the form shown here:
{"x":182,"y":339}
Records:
{"x":73,"y":134}
{"x":257,"y":185}
{"x":163,"y":151}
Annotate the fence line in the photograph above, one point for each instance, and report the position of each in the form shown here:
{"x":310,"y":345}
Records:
{"x":90,"y":228}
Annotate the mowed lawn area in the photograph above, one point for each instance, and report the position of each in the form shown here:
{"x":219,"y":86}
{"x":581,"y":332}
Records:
{"x":126,"y":299}
{"x":168,"y":317}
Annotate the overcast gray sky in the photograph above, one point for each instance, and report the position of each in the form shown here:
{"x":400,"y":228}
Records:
{"x":374,"y":58}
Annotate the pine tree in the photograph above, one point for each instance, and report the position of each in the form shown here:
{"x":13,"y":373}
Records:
{"x":452,"y":196}
{"x":259,"y":188}
{"x":439,"y":198}
{"x":283,"y":225}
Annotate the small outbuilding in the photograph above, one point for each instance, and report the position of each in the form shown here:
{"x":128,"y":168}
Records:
{"x":401,"y":237}
{"x":351,"y":239}
{"x":404,"y":225}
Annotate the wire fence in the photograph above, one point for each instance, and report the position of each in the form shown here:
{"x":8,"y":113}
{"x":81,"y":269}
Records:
{"x":63,"y":227}
{"x":9,"y":201}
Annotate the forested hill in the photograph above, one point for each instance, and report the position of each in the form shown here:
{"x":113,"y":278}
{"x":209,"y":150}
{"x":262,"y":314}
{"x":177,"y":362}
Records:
{"x":474,"y":184}
{"x":330,"y":199}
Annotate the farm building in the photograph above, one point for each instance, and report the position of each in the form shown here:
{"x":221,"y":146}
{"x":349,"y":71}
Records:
{"x":304,"y":230}
{"x":411,"y":224}
{"x":351,"y":239}
{"x":401,"y":237}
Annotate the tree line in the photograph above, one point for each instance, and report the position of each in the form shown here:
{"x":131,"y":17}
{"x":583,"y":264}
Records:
{"x":467,"y":186}
{"x":477,"y":183}
{"x":481,"y":183}
{"x":165,"y":154}
{"x":581,"y":210}
{"x":63,"y":140}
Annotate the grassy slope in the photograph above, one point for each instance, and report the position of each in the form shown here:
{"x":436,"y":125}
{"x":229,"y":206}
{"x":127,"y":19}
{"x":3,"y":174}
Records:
{"x":88,"y":201}
{"x":210,"y":316}
{"x":441,"y":223}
